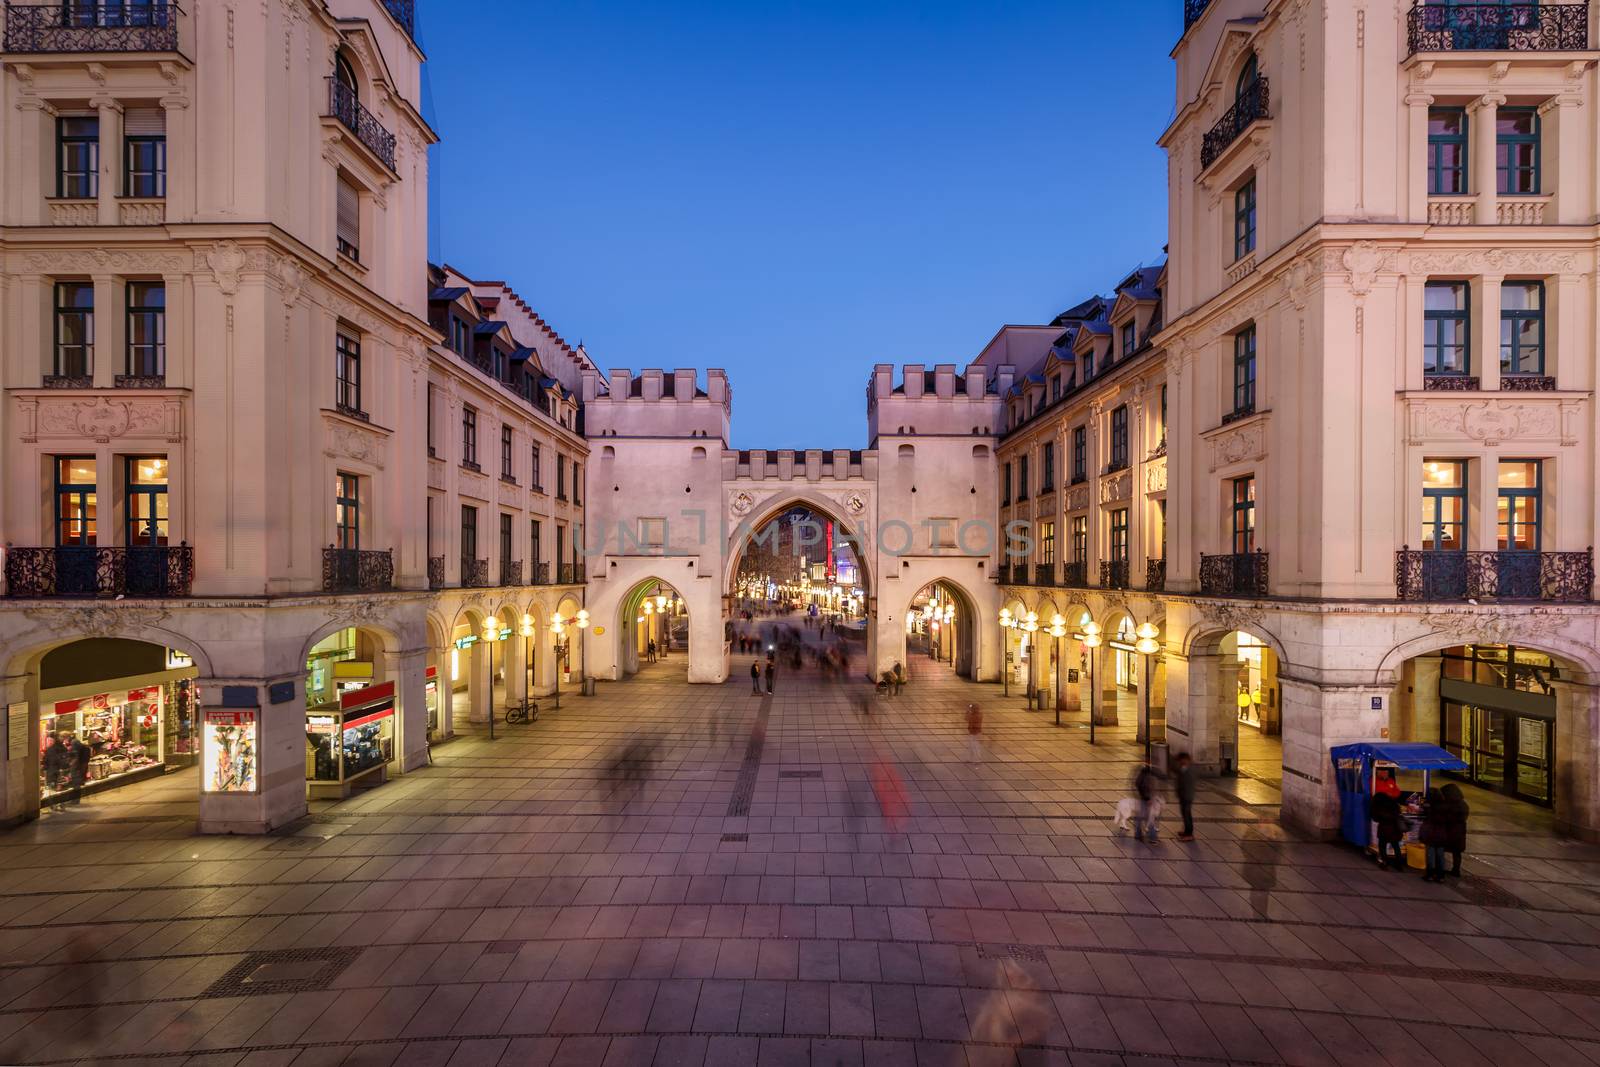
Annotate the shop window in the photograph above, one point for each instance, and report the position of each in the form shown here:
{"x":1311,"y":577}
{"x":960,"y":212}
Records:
{"x":78,"y":157}
{"x":1244,"y":515}
{"x":229,"y":752}
{"x":74,"y":330}
{"x":1119,"y":535}
{"x":1522,"y":328}
{"x":92,"y":742}
{"x":348,"y":232}
{"x":144,"y":152}
{"x":1080,"y":454}
{"x":1520,"y":505}
{"x":1446,"y":328}
{"x":347,"y":510}
{"x":1244,"y":219}
{"x":147,"y":330}
{"x":1444,"y":505}
{"x":75,"y":496}
{"x":1517,"y":151}
{"x":147,"y":507}
{"x":1447,"y":151}
{"x":347,"y":373}
{"x":1244,"y":371}
{"x":469,"y":436}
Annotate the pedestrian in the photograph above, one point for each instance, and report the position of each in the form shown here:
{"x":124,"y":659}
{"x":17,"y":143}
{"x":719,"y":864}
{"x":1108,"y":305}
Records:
{"x":899,"y":677}
{"x":755,"y":677}
{"x":974,"y":733}
{"x":1146,"y":787}
{"x":772,"y":670}
{"x":1384,"y":811}
{"x":1183,"y":784}
{"x":1435,"y":833}
{"x":80,"y":768}
{"x":56,"y":759}
{"x":650,"y":650}
{"x":1456,"y":840}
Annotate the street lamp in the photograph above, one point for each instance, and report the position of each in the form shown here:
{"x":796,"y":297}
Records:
{"x":1030,"y":626}
{"x":648,"y":622}
{"x":949,"y":634}
{"x":558,"y":627}
{"x":582,"y":623}
{"x":1006,"y":623}
{"x":1091,"y":641}
{"x":664,"y":622}
{"x":1147,"y":647}
{"x":1058,"y":630}
{"x":491,"y":635}
{"x":528,"y":630}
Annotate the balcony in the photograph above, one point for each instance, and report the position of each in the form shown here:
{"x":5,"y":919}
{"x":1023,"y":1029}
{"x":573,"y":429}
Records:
{"x":344,"y":106}
{"x":1241,"y":574}
{"x":1254,"y":102}
{"x":73,"y":27}
{"x":1563,"y":577}
{"x":1527,"y":383}
{"x":1155,"y":575}
{"x":474,"y":573}
{"x":1075,"y":575}
{"x":541,"y":574}
{"x":570,"y":574}
{"x":1450,"y":383}
{"x":1002,"y":574}
{"x":1113,"y":574}
{"x":155,"y":571}
{"x":1497,"y":27}
{"x":435,"y":572}
{"x":1044,"y":574}
{"x":354,"y":570}
{"x":511,"y":572}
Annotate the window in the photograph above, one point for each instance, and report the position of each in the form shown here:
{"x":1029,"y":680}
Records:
{"x":1163,"y":423}
{"x":147,"y":501}
{"x":536,"y":471}
{"x":1128,"y":344}
{"x":1244,"y":515}
{"x":469,"y":436}
{"x":345,"y":75}
{"x":1520,"y":505}
{"x":1444,"y":505}
{"x":1047,"y":543}
{"x":1080,"y":454}
{"x":1447,"y":151}
{"x":1047,"y":465}
{"x":1005,"y":485}
{"x":458,"y":336}
{"x":505,"y":452}
{"x":469,"y":534}
{"x":561,"y":476}
{"x":75,"y":501}
{"x":349,"y":222}
{"x":433,"y":443}
{"x":1516,"y":151}
{"x":577,"y":484}
{"x":1055,"y":388}
{"x":1246,"y":82}
{"x":1119,"y":535}
{"x":1522,"y":328}
{"x":1161,"y":515}
{"x":147,"y":330}
{"x":535,"y":541}
{"x":347,"y":372}
{"x":1244,"y":371}
{"x":1022,"y":477}
{"x":78,"y":157}
{"x":1244,"y":219}
{"x":1119,"y":438}
{"x":1088,"y":364}
{"x":347,"y":510}
{"x":1080,"y":539}
{"x":1446,"y":328}
{"x":74,"y":330}
{"x":505,"y":541}
{"x":144,"y":152}
{"x":561,"y":545}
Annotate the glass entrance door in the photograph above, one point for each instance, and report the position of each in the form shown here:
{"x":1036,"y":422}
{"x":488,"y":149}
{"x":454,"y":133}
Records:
{"x":1506,"y":752}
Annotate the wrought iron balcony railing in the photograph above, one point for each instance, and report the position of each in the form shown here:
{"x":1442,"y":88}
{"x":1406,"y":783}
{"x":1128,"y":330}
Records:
{"x":1510,"y":575}
{"x":435,"y":572}
{"x":344,"y":106}
{"x":1113,"y":574}
{"x":1075,"y":574}
{"x":1002,"y":574}
{"x":511,"y":572}
{"x":570,"y":575}
{"x":1155,"y":575}
{"x":1241,"y":574}
{"x":1192,"y":10}
{"x":88,"y":571}
{"x":356,"y":570}
{"x":1254,"y":102}
{"x":73,"y":26}
{"x":1044,"y":574}
{"x":474,"y":573}
{"x":541,"y":574}
{"x":1497,"y":27}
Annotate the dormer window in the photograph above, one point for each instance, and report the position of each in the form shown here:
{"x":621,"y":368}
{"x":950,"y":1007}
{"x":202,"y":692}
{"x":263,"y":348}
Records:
{"x":1128,"y":342}
{"x":1088,"y":364}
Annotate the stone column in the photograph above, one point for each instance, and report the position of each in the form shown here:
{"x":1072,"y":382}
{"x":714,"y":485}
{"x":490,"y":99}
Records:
{"x":1486,"y":333}
{"x":19,"y":776}
{"x":1196,"y":715}
{"x":1565,"y":150}
{"x":1316,"y":718}
{"x":1577,"y":769}
{"x":1416,"y":190}
{"x":280,"y":749}
{"x":109,"y":326}
{"x":1482,"y":114}
{"x":408,"y":670}
{"x":110,"y":158}
{"x":480,"y":689}
{"x":1105,"y":679}
{"x":180,"y":160}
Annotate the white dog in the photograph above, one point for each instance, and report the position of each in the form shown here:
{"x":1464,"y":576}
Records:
{"x":1128,"y":812}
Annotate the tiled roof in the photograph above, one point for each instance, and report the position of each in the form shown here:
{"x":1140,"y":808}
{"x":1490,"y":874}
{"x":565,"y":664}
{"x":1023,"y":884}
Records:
{"x":448,"y":294}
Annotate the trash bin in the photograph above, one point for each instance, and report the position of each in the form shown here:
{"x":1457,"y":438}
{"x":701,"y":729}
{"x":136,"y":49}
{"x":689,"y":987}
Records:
{"x":1159,"y":756}
{"x":1226,"y":759}
{"x":1041,"y":698}
{"x":588,"y":687}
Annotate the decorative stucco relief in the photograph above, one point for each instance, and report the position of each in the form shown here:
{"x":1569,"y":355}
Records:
{"x":1078,"y":498}
{"x":1497,"y":628}
{"x":1116,"y":487}
{"x":1489,"y":422}
{"x":1239,"y":444}
{"x":100,"y":418}
{"x":1495,"y":261}
{"x":349,"y":442}
{"x":100,"y":261}
{"x":1155,"y":476}
{"x":98,"y":621}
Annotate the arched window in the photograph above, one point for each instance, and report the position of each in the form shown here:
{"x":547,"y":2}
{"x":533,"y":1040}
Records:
{"x":699,"y":452}
{"x":1247,"y":78}
{"x":345,"y":75}
{"x":907,"y":452}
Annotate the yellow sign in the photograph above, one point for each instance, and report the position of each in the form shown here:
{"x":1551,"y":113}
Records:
{"x":598,"y":630}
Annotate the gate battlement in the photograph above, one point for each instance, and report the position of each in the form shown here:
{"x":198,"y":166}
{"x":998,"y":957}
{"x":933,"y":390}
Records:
{"x":941,"y":400}
{"x":657,"y":403}
{"x":788,"y":464}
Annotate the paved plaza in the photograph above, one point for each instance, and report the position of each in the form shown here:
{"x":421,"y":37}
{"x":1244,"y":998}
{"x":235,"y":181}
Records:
{"x":683,"y":875}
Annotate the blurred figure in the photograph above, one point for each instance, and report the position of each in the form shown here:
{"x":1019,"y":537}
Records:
{"x":1147,"y":788}
{"x":1260,"y":869}
{"x":79,"y":768}
{"x":81,"y":958}
{"x":1384,"y":810}
{"x":755,"y":678}
{"x":974,"y":733}
{"x":1456,"y":840}
{"x":57,"y":760}
{"x":1183,"y":784}
{"x":772,"y":671}
{"x":890,"y":793}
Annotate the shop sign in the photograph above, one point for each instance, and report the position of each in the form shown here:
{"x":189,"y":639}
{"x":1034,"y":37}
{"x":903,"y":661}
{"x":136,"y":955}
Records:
{"x":372,"y":694}
{"x":177,"y":661}
{"x":17,"y":731}
{"x":466,"y":642}
{"x":229,"y":751}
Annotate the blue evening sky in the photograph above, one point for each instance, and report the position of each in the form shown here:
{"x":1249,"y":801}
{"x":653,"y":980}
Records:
{"x":795,"y":191}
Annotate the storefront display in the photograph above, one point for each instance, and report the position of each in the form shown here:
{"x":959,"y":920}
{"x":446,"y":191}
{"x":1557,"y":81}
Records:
{"x":354,"y":741}
{"x":230,"y":764}
{"x":1498,"y":715}
{"x":99,"y":741}
{"x":430,"y":691}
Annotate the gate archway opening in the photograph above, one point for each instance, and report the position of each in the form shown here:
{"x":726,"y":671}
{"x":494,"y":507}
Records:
{"x":799,"y":558}
{"x":653,"y":629}
{"x":352,"y":727}
{"x":1237,"y":672}
{"x":941,"y":626}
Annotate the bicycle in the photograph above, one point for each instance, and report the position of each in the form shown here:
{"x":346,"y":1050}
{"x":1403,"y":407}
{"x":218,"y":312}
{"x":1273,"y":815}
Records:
{"x":520,"y":715}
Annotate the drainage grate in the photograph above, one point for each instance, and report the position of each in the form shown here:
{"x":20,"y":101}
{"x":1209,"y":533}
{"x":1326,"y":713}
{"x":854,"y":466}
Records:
{"x":735,"y":839}
{"x":288,"y":970}
{"x":744,"y":787}
{"x":1487,"y":894}
{"x":1032,"y":953}
{"x":799,"y":774}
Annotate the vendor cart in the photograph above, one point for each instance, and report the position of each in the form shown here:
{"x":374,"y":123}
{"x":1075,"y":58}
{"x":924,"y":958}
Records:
{"x":1357,"y":768}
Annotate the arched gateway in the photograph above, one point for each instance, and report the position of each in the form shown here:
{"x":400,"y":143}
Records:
{"x":670,"y":504}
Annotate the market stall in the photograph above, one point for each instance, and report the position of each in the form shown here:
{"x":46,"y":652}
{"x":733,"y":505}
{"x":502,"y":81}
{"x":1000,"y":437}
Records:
{"x":352,"y":744}
{"x":1404,"y":768}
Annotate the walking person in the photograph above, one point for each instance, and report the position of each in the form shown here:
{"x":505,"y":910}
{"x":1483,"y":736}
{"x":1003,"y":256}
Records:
{"x":755,"y":677}
{"x":1183,"y":784}
{"x":1384,"y":810}
{"x":650,"y":652}
{"x":57,"y":771}
{"x":79,"y":768}
{"x":772,"y":670}
{"x":1456,"y":839}
{"x":1146,"y":787}
{"x":1434,"y":834}
{"x":974,"y":733}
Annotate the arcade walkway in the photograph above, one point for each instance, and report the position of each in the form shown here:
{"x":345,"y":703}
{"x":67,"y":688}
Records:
{"x":677,"y":874}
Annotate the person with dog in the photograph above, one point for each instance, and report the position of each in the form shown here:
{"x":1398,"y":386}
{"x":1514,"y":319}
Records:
{"x":1147,"y":788}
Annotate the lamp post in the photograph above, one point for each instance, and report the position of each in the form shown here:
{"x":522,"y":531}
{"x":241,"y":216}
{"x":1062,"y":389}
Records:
{"x":582,"y":623}
{"x":527,"y":631}
{"x":1030,"y":626}
{"x":663,"y":624}
{"x":648,"y":622}
{"x":1058,"y":630}
{"x":1147,"y":646}
{"x":1006,"y":624}
{"x":558,"y":627}
{"x":1091,"y":641}
{"x":491,"y":635}
{"x":949,"y":634}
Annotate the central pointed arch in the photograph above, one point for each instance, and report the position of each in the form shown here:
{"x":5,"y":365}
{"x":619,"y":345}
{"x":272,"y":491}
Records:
{"x":746,"y":529}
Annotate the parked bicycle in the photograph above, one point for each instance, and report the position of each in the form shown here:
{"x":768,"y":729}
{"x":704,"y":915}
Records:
{"x":520,"y":715}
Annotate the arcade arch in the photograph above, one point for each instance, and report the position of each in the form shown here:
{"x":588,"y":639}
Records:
{"x":942,"y":623}
{"x":653,"y":614}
